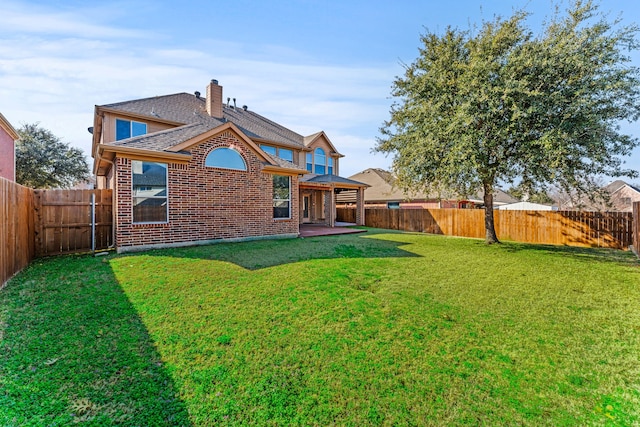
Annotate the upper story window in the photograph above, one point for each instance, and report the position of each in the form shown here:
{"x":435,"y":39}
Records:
{"x":283,"y":153}
{"x":128,"y":128}
{"x":149,"y":191}
{"x":310,"y":162}
{"x":319,"y":161}
{"x":227,"y":158}
{"x":268,"y":149}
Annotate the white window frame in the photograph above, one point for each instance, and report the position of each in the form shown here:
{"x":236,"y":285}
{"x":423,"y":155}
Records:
{"x":133,"y":196}
{"x":282,"y":200}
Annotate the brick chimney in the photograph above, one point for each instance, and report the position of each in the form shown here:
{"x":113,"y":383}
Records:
{"x":214,"y":99}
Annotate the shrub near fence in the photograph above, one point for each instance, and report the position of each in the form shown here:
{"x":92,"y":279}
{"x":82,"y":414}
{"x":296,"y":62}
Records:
{"x":572,"y":228}
{"x":17,"y":247}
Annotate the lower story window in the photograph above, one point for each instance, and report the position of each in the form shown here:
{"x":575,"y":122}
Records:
{"x":149,"y":191}
{"x":281,"y":196}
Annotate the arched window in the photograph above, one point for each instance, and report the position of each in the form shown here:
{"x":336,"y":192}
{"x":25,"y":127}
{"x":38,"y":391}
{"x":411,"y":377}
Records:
{"x":320,"y":161}
{"x":227,"y":158}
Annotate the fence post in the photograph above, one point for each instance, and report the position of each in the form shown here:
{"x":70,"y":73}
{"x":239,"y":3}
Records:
{"x":93,"y":222}
{"x":636,"y":228}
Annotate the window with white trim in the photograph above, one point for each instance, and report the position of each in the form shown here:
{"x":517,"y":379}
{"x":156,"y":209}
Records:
{"x":281,"y":197}
{"x":129,"y":128}
{"x":227,"y":158}
{"x":319,"y":161}
{"x":283,"y":153}
{"x":310,"y":162}
{"x":149,"y":185}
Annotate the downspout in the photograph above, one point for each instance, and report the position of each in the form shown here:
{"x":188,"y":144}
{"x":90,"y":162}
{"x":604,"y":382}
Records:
{"x":113,"y":204}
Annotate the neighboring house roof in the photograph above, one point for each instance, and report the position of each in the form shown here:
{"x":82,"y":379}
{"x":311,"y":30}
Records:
{"x":382,"y":189}
{"x":621,"y":196}
{"x":619,"y":185}
{"x":4,"y":124}
{"x":500,"y":197}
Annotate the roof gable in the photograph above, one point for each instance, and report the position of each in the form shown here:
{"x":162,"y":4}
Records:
{"x":312,"y":139}
{"x":227,"y":127}
{"x":8,"y":128}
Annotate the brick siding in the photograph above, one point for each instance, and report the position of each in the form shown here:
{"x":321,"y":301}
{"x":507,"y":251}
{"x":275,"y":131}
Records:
{"x":7,"y":156}
{"x":207,"y":203}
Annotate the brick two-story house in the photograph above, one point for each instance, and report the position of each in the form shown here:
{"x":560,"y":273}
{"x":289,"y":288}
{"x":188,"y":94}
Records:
{"x":188,"y":169}
{"x":8,"y":137}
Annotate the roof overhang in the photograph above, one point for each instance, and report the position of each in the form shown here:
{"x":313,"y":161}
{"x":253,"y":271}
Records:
{"x":313,"y":138}
{"x":106,"y":153}
{"x":4,"y":123}
{"x":292,"y":145}
{"x":282,"y":170}
{"x":149,"y":118}
{"x":332,"y":185}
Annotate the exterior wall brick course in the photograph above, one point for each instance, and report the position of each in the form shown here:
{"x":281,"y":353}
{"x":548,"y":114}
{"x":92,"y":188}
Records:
{"x":207,"y":203}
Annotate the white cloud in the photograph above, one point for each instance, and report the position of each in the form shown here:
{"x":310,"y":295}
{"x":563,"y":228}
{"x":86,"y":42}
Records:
{"x":29,"y":18}
{"x":56,"y":81}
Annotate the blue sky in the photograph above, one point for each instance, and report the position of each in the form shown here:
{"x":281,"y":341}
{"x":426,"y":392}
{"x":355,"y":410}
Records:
{"x":309,"y":65}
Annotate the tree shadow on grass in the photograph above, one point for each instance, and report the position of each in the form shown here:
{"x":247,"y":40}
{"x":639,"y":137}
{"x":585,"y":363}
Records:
{"x":585,"y":254}
{"x":258,"y":254}
{"x":74,"y":350}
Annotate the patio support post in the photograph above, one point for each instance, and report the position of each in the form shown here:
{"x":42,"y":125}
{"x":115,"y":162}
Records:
{"x":329,"y":208}
{"x":332,"y":197}
{"x":360,"y":206}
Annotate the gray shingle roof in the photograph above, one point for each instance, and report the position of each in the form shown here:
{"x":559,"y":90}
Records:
{"x":191,"y":111}
{"x":163,"y":140}
{"x":283,"y":163}
{"x":331,"y":179}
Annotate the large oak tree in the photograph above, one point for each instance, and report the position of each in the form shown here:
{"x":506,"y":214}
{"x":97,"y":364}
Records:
{"x":501,"y":105}
{"x":44,"y":161}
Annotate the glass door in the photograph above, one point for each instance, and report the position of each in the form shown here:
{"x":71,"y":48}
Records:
{"x":306,"y":205}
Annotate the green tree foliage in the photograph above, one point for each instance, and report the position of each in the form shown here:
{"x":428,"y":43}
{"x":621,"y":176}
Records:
{"x":521,"y":192}
{"x":500,"y":104}
{"x":44,"y":161}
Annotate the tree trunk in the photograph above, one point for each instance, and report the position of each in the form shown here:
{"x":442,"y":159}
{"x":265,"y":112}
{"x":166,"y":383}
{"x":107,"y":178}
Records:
{"x":489,"y":226}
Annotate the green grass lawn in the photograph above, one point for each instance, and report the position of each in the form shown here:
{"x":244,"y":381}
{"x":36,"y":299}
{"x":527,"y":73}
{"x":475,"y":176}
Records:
{"x":380,"y":328}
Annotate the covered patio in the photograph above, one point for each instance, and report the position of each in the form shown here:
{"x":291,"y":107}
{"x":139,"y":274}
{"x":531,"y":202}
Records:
{"x":318,"y":199}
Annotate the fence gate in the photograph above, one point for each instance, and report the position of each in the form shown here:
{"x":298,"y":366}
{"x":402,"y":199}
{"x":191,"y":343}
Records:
{"x":64,"y":223}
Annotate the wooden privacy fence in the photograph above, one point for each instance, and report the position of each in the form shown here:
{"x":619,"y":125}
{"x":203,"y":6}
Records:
{"x":16,"y":228}
{"x":64,"y":221}
{"x":35,"y":223}
{"x":572,"y":228}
